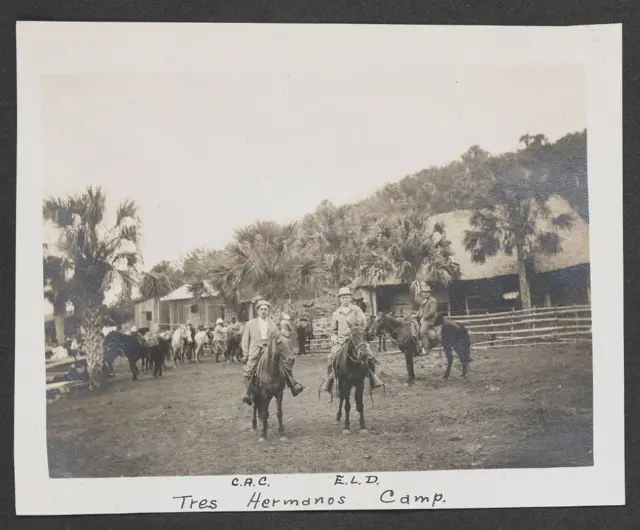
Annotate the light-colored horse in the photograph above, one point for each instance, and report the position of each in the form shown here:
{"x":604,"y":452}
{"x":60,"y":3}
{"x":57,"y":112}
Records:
{"x":181,"y":337}
{"x":202,"y":340}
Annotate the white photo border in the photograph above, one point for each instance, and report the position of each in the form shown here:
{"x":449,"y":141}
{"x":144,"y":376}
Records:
{"x":74,"y":47}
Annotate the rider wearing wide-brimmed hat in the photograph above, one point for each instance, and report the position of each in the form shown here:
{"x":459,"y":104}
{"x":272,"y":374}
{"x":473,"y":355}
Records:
{"x":254,"y":339}
{"x":427,"y":314}
{"x":347,"y":315}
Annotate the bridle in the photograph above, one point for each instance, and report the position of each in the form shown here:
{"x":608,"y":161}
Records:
{"x":394,"y":330}
{"x":358,"y":347}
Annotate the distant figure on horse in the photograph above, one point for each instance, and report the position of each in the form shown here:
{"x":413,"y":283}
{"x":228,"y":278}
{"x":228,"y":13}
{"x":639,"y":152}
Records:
{"x":346,"y":316}
{"x":304,"y":333}
{"x":427,"y":314}
{"x":254,"y":341}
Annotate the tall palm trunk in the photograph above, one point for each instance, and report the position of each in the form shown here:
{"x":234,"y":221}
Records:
{"x":92,"y":324}
{"x":523,"y":279}
{"x":58,"y":320}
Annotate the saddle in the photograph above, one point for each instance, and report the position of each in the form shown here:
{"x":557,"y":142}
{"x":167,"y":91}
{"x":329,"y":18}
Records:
{"x":151,"y":339}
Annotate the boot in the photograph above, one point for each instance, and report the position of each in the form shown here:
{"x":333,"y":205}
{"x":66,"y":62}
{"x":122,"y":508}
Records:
{"x":295,"y":387}
{"x":246,"y":398}
{"x":374,"y":380}
{"x":328,"y":384}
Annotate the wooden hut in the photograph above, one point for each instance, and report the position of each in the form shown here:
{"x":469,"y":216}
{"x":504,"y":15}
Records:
{"x":561,"y":279}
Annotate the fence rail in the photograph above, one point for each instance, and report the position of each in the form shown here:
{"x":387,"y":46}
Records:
{"x":543,"y":325}
{"x":506,"y":328}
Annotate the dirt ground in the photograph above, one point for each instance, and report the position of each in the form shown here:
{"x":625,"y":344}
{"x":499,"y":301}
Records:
{"x":529,"y":407}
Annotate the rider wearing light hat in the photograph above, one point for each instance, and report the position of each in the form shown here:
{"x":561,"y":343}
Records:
{"x":254,"y":340}
{"x":347,"y":315}
{"x":219,"y":338}
{"x":427,"y":314}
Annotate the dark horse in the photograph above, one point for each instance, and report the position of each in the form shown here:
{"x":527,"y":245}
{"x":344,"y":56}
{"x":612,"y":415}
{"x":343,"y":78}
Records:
{"x":400,"y":332}
{"x":233,"y":346}
{"x":269,"y":382}
{"x":304,"y":334}
{"x":454,"y":337}
{"x":382,"y":338}
{"x":130,"y":346}
{"x":158,"y":349}
{"x":351,"y":371}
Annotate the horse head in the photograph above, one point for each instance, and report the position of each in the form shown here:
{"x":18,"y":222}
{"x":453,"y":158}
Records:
{"x":268,"y":369}
{"x":357,"y":344}
{"x":381,"y":321}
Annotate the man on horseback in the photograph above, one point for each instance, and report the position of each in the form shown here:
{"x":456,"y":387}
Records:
{"x":427,"y":313}
{"x":347,"y":315}
{"x":254,"y":340}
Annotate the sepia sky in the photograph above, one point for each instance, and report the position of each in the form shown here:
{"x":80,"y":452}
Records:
{"x":204,"y":154}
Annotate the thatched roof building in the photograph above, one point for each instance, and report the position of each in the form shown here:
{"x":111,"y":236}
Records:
{"x":575,"y":247}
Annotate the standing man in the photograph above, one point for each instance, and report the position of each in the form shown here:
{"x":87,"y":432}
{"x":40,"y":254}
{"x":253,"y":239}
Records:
{"x":219,"y":338}
{"x":254,"y":340}
{"x":427,"y":313}
{"x":347,"y":315}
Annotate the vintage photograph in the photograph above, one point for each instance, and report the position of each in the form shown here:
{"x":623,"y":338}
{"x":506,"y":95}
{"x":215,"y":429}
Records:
{"x":413,"y":270}
{"x":260,"y":270}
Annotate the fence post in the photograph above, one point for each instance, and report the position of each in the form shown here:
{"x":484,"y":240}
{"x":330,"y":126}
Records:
{"x":511,"y":327}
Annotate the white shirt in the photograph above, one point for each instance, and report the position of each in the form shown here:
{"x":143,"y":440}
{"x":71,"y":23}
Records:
{"x":264,"y":327}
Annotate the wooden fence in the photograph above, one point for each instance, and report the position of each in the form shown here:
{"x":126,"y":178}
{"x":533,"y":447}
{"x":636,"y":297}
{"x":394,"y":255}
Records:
{"x":540,"y":325}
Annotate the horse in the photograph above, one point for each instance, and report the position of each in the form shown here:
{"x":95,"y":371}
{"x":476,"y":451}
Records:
{"x":400,"y":331}
{"x":158,"y":348}
{"x":268,"y":382}
{"x":304,"y":334}
{"x":201,"y":340}
{"x":130,"y":346}
{"x":454,"y":337}
{"x":351,"y":371}
{"x":233,"y":350}
{"x":180,"y":340}
{"x":146,"y":363}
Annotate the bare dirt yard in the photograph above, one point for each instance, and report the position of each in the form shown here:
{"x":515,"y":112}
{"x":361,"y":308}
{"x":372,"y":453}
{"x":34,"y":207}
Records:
{"x":519,"y":407}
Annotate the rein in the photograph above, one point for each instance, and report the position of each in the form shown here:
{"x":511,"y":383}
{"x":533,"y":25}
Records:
{"x":396,"y":329}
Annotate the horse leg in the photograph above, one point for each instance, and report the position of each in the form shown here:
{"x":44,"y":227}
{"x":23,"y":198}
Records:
{"x":464,"y":355}
{"x":347,"y":409}
{"x":360,"y":405}
{"x":339,"y":413}
{"x":265,"y":417}
{"x":408,"y":357}
{"x":279,"y":412}
{"x":254,"y":423}
{"x":449,"y":354}
{"x":133,"y":366}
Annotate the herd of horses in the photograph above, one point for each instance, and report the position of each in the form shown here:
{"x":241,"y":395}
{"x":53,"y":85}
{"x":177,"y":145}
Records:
{"x":350,"y":364}
{"x":156,"y":350}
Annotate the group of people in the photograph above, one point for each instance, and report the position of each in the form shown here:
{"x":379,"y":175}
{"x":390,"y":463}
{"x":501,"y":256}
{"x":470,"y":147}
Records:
{"x":348,"y":314}
{"x":258,"y":330}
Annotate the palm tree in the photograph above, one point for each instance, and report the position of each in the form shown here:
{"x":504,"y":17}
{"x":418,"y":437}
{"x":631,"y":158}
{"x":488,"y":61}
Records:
{"x":410,"y":249}
{"x":509,"y":220}
{"x":57,"y":288}
{"x":268,"y":257}
{"x":331,"y":232}
{"x":160,"y":280}
{"x":101,"y":258}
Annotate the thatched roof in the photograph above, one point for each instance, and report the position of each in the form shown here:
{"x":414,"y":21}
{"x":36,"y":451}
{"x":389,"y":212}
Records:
{"x":575,"y":247}
{"x":183,"y":293}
